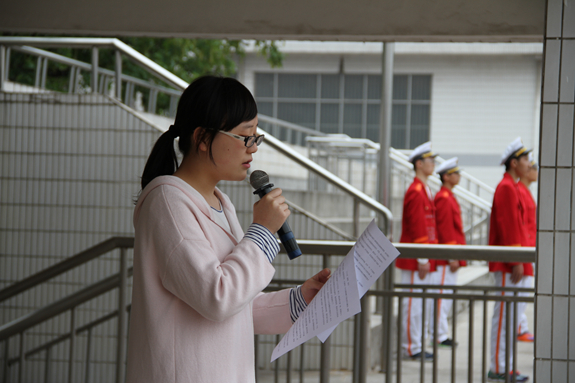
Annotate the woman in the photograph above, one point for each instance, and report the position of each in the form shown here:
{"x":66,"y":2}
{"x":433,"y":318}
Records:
{"x":197,"y":299}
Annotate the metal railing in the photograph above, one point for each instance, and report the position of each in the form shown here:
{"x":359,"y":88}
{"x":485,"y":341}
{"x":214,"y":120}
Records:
{"x":30,"y":45}
{"x":330,"y":251}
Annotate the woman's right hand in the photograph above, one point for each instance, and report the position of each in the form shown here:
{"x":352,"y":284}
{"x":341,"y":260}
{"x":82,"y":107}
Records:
{"x":271,"y":211}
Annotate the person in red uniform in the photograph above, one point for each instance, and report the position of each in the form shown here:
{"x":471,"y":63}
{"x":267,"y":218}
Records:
{"x":449,"y":232}
{"x":530,"y":218}
{"x":507,"y":228}
{"x":417,"y":226}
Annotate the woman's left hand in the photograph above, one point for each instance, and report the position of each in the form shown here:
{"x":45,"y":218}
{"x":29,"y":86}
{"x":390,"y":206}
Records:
{"x":310,"y":288}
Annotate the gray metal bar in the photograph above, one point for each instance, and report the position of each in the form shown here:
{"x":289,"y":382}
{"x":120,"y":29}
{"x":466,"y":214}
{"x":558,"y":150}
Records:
{"x":364,"y":336}
{"x":384,"y":184}
{"x":507,"y":307}
{"x":453,"y":338}
{"x":22,"y":359}
{"x":470,"y":345}
{"x":434,"y":339}
{"x":95,"y":65}
{"x":118,"y":74}
{"x":38,"y":72}
{"x":399,"y":338}
{"x":288,"y":367}
{"x":6,"y":366}
{"x":47,"y":366}
{"x":356,"y":217}
{"x":513,"y":336}
{"x":3,"y":67}
{"x":484,"y":356}
{"x":326,"y":346}
{"x":122,"y":325}
{"x":72,"y":344}
{"x":423,"y":333}
{"x":277,"y":364}
{"x":71,"y":80}
{"x":289,"y":125}
{"x":88,"y":355}
{"x":44,"y":73}
{"x":301,"y":362}
{"x":66,"y":265}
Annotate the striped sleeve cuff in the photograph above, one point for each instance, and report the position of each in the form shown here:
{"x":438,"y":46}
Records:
{"x":264,"y":239}
{"x":297,"y":303}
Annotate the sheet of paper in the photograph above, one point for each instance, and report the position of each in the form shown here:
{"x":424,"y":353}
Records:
{"x":373,"y":253}
{"x":339,"y":299}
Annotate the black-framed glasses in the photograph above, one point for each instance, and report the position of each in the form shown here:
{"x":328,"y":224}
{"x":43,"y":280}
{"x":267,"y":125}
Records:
{"x":249,"y":141}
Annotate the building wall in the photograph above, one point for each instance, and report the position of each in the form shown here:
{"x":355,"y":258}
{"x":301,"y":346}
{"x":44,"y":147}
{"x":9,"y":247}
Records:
{"x":483,"y":95}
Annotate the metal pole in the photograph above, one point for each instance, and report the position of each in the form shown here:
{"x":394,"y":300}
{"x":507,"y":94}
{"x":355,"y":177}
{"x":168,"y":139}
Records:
{"x":44,"y":73}
{"x":72,"y":343}
{"x":325,"y":347}
{"x":471,"y":329}
{"x":434,"y":338}
{"x":6,"y":350}
{"x":301,"y":362}
{"x":118,"y":75}
{"x":94,"y":76}
{"x":507,"y":338}
{"x":484,"y":356}
{"x":453,"y":337}
{"x":364,"y":334}
{"x":22,"y":359}
{"x":47,"y":365}
{"x":3,"y":67}
{"x":121,"y":351}
{"x":399,"y":338}
{"x":88,"y":349}
{"x":356,"y":218}
{"x":384,"y":192}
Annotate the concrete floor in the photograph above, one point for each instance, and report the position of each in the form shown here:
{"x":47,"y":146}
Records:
{"x":411,"y":370}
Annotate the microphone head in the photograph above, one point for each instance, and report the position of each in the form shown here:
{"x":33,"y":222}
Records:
{"x":259,"y":178}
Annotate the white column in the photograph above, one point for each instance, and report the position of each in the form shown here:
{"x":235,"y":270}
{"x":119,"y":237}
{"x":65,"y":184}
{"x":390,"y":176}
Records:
{"x":555,"y":276}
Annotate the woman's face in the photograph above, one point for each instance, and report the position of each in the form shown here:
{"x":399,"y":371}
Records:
{"x":231,"y":157}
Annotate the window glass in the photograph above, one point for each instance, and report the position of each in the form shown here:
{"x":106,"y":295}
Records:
{"x":353,"y":87}
{"x":400,"y":87}
{"x":352,"y":120}
{"x":374,"y":87}
{"x":329,"y":118}
{"x":421,"y":88}
{"x":297,"y":85}
{"x":265,"y":84}
{"x":330,"y":86}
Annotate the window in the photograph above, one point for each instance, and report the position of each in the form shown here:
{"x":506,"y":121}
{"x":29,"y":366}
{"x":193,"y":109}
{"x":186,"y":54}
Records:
{"x":344,"y":103}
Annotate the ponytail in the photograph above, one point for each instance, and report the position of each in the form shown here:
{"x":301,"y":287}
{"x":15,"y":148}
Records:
{"x":162,"y":160}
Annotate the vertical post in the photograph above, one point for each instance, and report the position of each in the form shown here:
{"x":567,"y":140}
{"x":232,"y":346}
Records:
{"x":356,"y":218}
{"x":454,"y":337}
{"x":364,"y":333}
{"x":471,"y":330}
{"x":3,"y":67}
{"x":44,"y":73}
{"x":118,"y":75}
{"x":121,"y":351}
{"x":301,"y":362}
{"x":384,"y":192}
{"x":288,"y":367}
{"x":484,"y":356}
{"x":6,"y":349}
{"x":325,"y":347}
{"x":47,"y":365}
{"x":399,"y":348}
{"x":38,"y":72}
{"x":88,"y":350}
{"x":72,"y":344}
{"x":94,"y":76}
{"x":22,"y":359}
{"x":384,"y":189}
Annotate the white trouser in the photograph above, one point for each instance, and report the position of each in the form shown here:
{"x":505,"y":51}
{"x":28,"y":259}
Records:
{"x":412,"y":314}
{"x":523,"y":324}
{"x":443,"y":276}
{"x":498,"y":326}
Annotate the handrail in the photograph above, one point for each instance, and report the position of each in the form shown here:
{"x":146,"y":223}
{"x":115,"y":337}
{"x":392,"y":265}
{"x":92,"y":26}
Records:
{"x":60,"y":306}
{"x":330,"y":177}
{"x":134,"y":56}
{"x":310,"y":247}
{"x":290,"y":125}
{"x":66,"y":265}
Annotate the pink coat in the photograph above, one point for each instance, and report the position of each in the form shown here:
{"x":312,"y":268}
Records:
{"x":196,"y":299}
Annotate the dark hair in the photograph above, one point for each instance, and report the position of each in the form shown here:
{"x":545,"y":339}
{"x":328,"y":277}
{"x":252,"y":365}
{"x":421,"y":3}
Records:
{"x":512,"y":157}
{"x":209,"y":103}
{"x":441,"y":176}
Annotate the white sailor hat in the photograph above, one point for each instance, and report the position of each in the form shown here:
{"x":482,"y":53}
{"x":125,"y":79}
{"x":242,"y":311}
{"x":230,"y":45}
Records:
{"x":532,"y":160}
{"x":514,"y":150}
{"x":422,"y":151}
{"x":448,"y":166}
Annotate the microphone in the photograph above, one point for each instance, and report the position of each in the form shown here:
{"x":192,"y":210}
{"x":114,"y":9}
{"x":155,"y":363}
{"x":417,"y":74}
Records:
{"x":261,"y":182}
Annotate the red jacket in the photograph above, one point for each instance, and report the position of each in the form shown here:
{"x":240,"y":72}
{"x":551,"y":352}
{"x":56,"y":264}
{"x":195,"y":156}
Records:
{"x":448,"y":221}
{"x":507,"y":227}
{"x":529,"y":214}
{"x":418,"y":222}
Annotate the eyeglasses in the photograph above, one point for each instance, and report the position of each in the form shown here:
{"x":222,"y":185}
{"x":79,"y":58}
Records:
{"x":249,"y":141}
